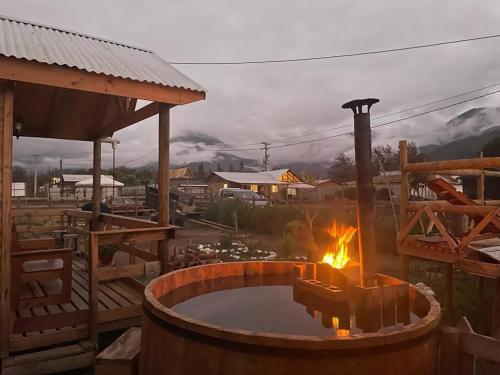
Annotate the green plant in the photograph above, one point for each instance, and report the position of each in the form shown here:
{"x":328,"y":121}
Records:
{"x":253,"y":245}
{"x":269,"y":220}
{"x":288,"y":244}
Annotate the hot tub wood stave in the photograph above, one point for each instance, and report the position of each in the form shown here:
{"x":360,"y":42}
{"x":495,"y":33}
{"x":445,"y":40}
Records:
{"x":175,"y":344}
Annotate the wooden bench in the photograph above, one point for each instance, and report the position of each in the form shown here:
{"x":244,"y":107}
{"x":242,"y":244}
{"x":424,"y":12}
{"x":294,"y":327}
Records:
{"x":122,"y":356}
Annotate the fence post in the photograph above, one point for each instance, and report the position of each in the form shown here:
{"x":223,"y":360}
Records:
{"x":449,"y":354}
{"x":93,"y":261}
{"x":467,"y":362}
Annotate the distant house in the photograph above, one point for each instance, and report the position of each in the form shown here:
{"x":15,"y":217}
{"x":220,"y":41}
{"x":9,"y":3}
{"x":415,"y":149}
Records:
{"x":325,"y":189}
{"x":79,"y":186}
{"x":277,"y":184}
{"x":18,"y":189}
{"x":181,"y":174}
{"x":391,"y":181}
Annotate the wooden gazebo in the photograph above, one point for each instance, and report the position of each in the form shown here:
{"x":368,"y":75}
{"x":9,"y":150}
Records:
{"x":64,"y":85}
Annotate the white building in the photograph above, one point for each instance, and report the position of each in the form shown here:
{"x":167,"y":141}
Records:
{"x":79,"y":186}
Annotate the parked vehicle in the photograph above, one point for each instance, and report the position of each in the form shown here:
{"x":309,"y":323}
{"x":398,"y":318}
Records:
{"x":243,"y":195}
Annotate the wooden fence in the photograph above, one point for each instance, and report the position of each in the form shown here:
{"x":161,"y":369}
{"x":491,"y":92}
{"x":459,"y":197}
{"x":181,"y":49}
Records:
{"x":461,"y":348}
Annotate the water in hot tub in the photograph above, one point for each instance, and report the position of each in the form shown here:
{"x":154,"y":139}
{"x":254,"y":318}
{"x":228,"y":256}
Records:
{"x":257,"y":304}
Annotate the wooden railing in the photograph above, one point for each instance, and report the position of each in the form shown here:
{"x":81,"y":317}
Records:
{"x":138,"y":238}
{"x":483,"y":213}
{"x":461,"y":347}
{"x":128,"y":234}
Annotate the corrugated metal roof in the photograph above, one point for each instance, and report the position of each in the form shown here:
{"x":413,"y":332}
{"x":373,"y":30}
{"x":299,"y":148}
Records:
{"x":49,"y":45}
{"x":249,"y":178}
{"x":80,"y":177}
{"x":106,"y":181}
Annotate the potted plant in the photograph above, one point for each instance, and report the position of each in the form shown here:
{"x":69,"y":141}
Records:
{"x":106,"y":253}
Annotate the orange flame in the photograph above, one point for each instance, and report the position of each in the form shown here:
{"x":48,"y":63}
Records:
{"x":337,"y":254}
{"x":340,"y":332}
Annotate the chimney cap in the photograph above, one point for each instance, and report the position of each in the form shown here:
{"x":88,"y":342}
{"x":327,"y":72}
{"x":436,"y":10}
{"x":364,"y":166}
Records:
{"x":357,"y":104}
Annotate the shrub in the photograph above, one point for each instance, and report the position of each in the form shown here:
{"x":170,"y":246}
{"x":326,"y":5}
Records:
{"x":288,"y":244}
{"x":226,"y":241}
{"x":269,"y":220}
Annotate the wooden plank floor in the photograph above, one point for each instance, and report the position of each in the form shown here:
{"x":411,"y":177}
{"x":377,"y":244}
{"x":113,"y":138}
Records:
{"x":120,"y":306}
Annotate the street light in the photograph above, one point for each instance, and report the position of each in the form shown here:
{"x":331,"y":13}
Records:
{"x":113,"y":143}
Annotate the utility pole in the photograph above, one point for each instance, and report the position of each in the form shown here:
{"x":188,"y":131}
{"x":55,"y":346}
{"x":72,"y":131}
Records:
{"x":35,"y":187}
{"x":48,"y":186}
{"x":266,"y":153}
{"x":61,"y":186}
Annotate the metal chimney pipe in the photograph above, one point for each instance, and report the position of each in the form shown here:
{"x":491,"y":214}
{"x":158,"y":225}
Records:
{"x":365,"y":192}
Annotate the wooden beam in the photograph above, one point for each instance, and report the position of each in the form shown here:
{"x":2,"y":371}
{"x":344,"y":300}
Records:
{"x":404,"y":231}
{"x":127,"y":222}
{"x":72,"y":78}
{"x":451,"y":208}
{"x":480,"y":185}
{"x":450,"y":351}
{"x":6,"y":129}
{"x":93,"y":289}
{"x":435,"y":166}
{"x":53,"y":320}
{"x":468,"y":172}
{"x":404,"y":260}
{"x":163,"y":179}
{"x":96,"y":185}
{"x":129,"y":118}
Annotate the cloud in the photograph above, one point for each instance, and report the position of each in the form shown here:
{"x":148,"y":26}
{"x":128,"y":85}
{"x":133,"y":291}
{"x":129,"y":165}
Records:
{"x":249,"y":104}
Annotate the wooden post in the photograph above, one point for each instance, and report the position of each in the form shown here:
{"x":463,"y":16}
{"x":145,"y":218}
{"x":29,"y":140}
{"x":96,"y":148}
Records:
{"x":449,"y":353}
{"x":480,"y":185}
{"x":96,"y":185}
{"x":403,"y":204}
{"x":93,"y":289}
{"x":6,"y":129}
{"x":494,"y":368}
{"x":467,"y":362}
{"x":163,"y":179}
{"x":449,"y":290}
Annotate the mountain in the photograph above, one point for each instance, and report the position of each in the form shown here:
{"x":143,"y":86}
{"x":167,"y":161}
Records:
{"x":466,"y":135}
{"x":197,"y":137}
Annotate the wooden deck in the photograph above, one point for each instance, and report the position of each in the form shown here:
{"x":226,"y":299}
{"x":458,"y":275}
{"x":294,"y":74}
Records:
{"x":119,"y":306}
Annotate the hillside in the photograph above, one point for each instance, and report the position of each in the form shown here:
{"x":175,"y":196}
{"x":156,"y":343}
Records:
{"x":466,"y":135}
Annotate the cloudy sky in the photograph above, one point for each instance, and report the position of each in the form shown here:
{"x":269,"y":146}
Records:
{"x":273,"y":102}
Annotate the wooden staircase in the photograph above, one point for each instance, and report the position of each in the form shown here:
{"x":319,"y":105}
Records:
{"x":447,"y":192}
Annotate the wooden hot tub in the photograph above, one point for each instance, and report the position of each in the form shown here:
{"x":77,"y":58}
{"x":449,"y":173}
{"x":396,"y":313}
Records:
{"x":175,"y":344}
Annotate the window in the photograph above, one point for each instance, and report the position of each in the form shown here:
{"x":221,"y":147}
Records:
{"x":274,"y":188}
{"x":291,"y":191}
{"x":254,"y":188}
{"x":225,"y":185}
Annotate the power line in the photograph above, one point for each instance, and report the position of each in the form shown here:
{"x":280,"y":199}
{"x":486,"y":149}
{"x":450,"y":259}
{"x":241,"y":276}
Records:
{"x":373,"y":118}
{"x":375,"y":126}
{"x":341,"y":55}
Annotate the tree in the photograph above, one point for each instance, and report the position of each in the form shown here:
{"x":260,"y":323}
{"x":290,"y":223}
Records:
{"x":231,"y":168}
{"x":413,"y":155}
{"x":242,"y":167}
{"x":342,"y":169}
{"x":18,"y":174}
{"x":201,"y":170}
{"x":219,"y":168}
{"x":385,"y":156}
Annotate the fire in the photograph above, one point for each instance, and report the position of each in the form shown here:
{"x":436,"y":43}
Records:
{"x":337,"y":254}
{"x":340,"y":332}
